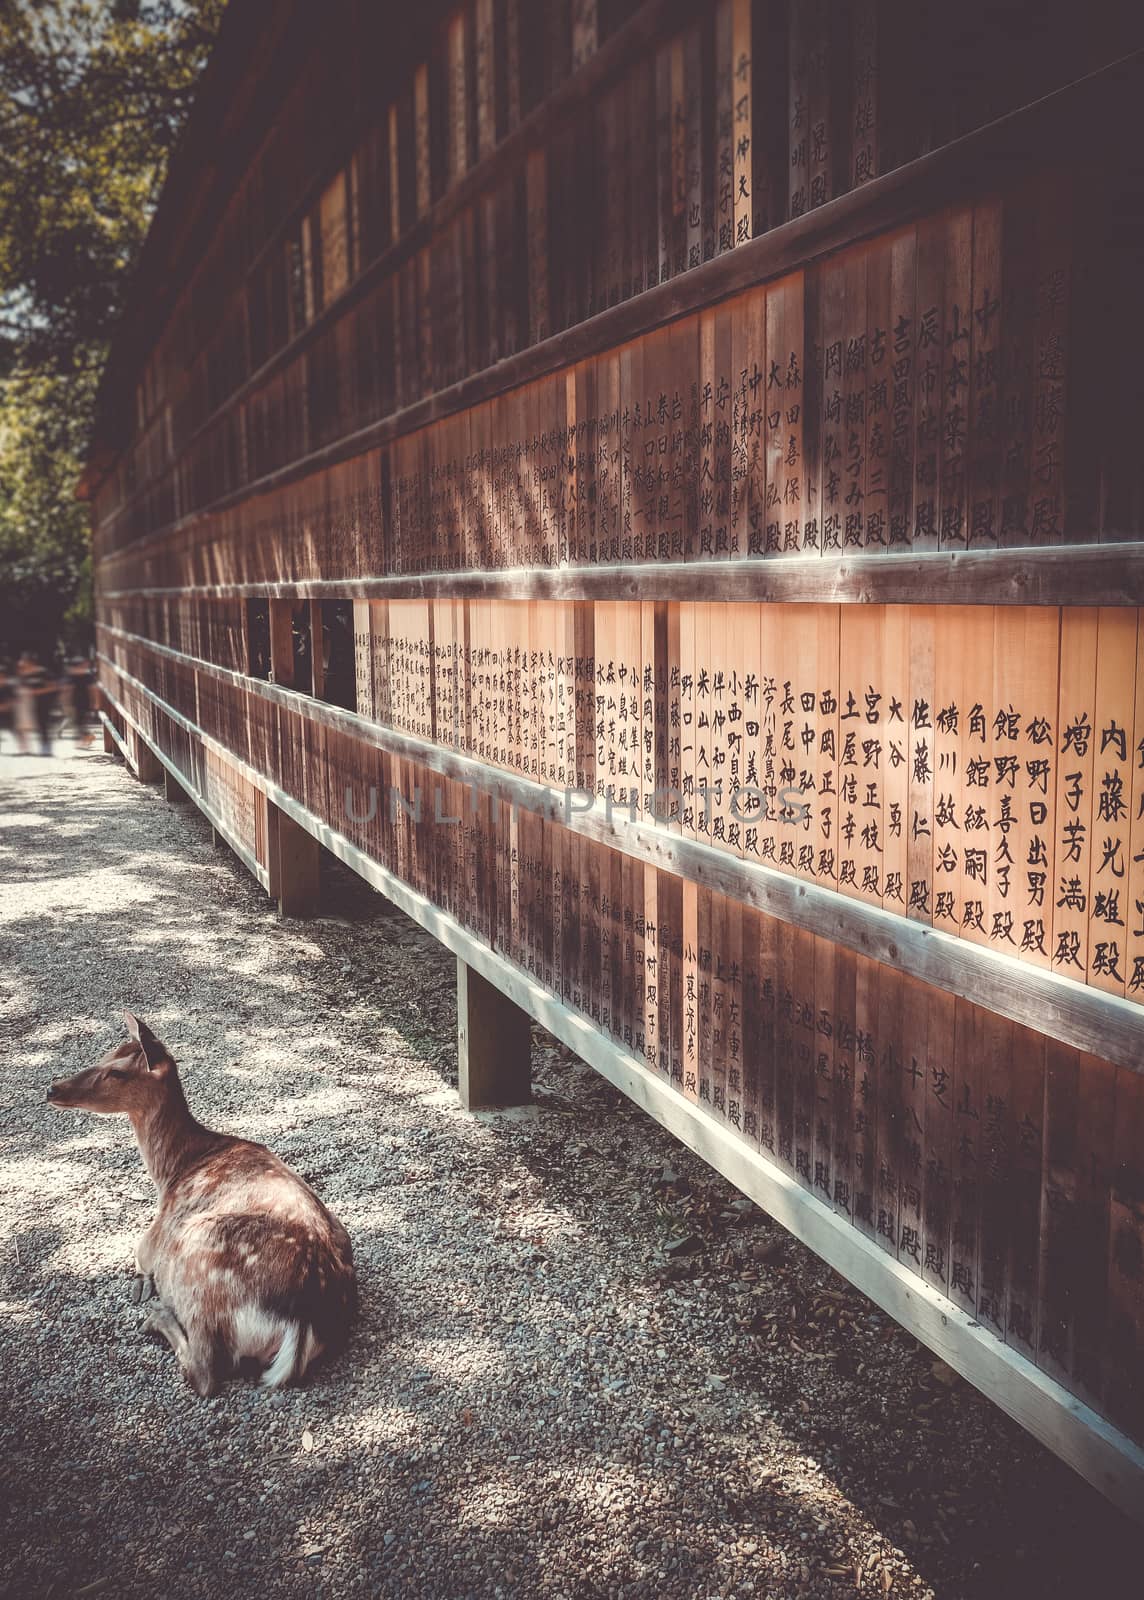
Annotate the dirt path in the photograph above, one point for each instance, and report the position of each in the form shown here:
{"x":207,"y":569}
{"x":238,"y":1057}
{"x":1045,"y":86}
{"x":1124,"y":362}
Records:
{"x":538,"y":1401}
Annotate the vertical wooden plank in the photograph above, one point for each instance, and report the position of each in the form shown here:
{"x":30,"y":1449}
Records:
{"x":882,"y":1050}
{"x":456,"y":46}
{"x":955,"y":378}
{"x":919,"y":849}
{"x":928,"y":342}
{"x":985,"y":433}
{"x":822,"y":112}
{"x":1096,"y":1117}
{"x":1018,"y":302}
{"x":1134,"y":953}
{"x":967,"y":1155}
{"x":996,"y":1135}
{"x":798,"y":109}
{"x":1058,"y":1219}
{"x":852,"y":424}
{"x":863,"y":1110}
{"x":864,"y":84}
{"x":902,"y":332}
{"x":1028,"y":1095}
{"x":724,"y":128}
{"x":800,"y":979}
{"x":486,"y":48}
{"x":423,"y":140}
{"x":823,"y":980}
{"x":879,"y":393}
{"x":394,"y":176}
{"x":939,"y":1120}
{"x":742,"y":119}
{"x":1110,"y":859}
{"x":1054,"y":200}
{"x":785,"y":511}
{"x":832,"y":312}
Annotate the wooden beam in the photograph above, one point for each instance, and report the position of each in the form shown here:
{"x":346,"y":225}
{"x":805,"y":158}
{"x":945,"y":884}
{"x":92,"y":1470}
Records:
{"x":148,"y":769}
{"x":494,"y":1044}
{"x":295,"y":873}
{"x":1054,"y":575}
{"x":1074,"y":1013}
{"x":173,"y":790}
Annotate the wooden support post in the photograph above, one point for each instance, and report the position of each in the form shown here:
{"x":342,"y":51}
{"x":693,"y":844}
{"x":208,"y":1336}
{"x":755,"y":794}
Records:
{"x":218,"y":842}
{"x":294,"y":857}
{"x":173,"y":789}
{"x":110,"y":748}
{"x":494,"y":1043}
{"x":147,"y":764}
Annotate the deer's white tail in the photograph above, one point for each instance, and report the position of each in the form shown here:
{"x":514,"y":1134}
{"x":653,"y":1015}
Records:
{"x":281,"y":1369}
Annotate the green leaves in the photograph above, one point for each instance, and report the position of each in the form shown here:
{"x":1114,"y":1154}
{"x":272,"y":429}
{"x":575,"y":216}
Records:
{"x":93,"y":97}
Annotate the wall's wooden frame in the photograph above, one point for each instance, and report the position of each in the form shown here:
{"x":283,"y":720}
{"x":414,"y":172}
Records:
{"x":1106,"y":574}
{"x":1102,"y":1454}
{"x":990,"y":156}
{"x":1075,"y":1013}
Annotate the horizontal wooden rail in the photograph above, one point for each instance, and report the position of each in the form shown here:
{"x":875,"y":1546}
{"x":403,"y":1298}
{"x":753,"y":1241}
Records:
{"x":985,"y":160}
{"x":1105,"y":574}
{"x":1103,"y":1455}
{"x":1056,"y":1006}
{"x":117,"y":738}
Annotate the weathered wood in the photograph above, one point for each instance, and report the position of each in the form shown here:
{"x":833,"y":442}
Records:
{"x":1105,"y":575}
{"x":173,"y":790}
{"x":1069,"y":1011}
{"x":148,"y":769}
{"x":295,"y":875}
{"x":494,"y":1043}
{"x":114,"y":743}
{"x":998,"y":153}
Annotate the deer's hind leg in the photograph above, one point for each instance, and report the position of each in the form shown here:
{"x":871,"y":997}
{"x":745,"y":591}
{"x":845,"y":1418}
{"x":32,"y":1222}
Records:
{"x":196,"y":1357}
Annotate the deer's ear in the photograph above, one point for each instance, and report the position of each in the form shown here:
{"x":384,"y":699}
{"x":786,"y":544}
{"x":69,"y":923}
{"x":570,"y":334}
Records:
{"x":153,"y":1049}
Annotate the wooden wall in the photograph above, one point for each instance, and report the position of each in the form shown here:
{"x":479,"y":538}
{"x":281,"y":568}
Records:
{"x":704,"y":437}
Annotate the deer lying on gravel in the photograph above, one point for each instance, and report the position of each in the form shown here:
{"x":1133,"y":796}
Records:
{"x":248,"y":1265}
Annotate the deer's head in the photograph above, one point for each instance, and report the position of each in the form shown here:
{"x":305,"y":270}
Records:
{"x":131,"y":1078}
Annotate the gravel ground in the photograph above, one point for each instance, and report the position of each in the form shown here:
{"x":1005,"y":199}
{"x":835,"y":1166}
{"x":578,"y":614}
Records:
{"x":538,"y":1400}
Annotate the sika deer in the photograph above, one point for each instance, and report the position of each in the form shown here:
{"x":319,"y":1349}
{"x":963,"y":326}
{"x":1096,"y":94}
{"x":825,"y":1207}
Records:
{"x":248,"y":1264}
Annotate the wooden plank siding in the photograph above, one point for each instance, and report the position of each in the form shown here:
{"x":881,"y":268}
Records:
{"x":642,"y":485}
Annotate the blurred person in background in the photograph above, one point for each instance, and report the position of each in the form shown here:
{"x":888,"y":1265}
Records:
{"x":24,"y":704}
{"x":7,"y":700}
{"x":35,"y":699}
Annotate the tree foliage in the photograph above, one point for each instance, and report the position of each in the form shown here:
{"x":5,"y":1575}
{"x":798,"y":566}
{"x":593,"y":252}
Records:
{"x":93,"y":97}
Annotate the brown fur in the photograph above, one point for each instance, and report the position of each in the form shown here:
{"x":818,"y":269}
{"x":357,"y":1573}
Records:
{"x":249,"y":1265}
